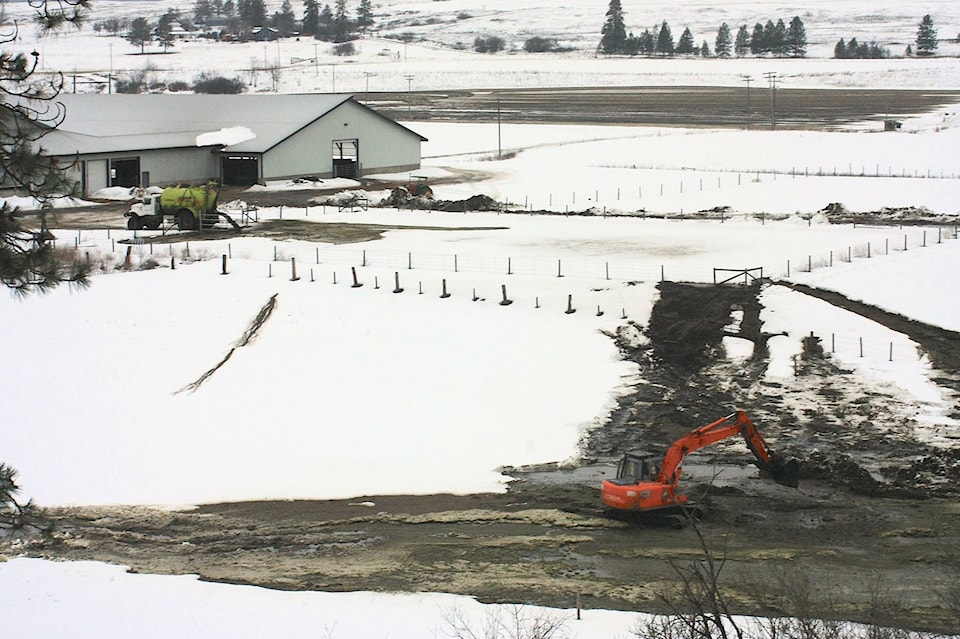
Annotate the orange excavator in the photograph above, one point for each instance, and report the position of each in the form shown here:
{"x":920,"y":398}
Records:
{"x":643,"y":483}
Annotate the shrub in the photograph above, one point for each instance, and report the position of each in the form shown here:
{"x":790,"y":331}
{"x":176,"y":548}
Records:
{"x":488,"y":44}
{"x":218,"y":84}
{"x":177,"y":86}
{"x":135,"y":82}
{"x":344,"y":49}
{"x":537,"y":44}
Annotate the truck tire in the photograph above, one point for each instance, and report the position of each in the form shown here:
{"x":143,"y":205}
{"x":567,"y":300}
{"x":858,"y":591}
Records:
{"x":186,"y":220}
{"x":134,"y":223}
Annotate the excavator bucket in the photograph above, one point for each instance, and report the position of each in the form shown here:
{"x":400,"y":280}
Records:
{"x":785,"y":472}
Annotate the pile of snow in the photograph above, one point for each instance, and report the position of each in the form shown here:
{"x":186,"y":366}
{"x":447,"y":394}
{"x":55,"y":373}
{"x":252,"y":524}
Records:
{"x":33,"y":204}
{"x":124,"y":193}
{"x":226,"y":136}
{"x":304,"y":183}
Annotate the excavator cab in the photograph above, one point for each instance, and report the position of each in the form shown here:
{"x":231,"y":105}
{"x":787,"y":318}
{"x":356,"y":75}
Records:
{"x":637,"y":485}
{"x":638,"y":466}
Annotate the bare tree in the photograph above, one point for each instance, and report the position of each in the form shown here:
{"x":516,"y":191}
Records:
{"x":506,"y":622}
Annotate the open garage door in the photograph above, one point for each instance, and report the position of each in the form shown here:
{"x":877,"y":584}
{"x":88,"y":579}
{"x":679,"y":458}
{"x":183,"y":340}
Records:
{"x":125,"y":172}
{"x":240,"y":170}
{"x":346,"y":158}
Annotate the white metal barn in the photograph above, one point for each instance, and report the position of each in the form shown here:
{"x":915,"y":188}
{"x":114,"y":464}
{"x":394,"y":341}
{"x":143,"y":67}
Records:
{"x":146,"y":140}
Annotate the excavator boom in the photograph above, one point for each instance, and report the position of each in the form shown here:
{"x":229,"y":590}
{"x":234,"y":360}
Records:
{"x":636,"y":488}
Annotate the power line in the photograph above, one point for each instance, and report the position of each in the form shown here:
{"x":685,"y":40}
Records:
{"x":772,"y":79}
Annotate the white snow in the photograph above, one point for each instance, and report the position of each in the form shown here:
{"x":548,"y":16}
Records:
{"x":87,"y":599}
{"x":226,"y":136}
{"x":360,"y":391}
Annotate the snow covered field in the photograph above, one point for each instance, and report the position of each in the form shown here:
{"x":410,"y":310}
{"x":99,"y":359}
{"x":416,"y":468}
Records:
{"x":358,"y":391}
{"x":432,"y":44}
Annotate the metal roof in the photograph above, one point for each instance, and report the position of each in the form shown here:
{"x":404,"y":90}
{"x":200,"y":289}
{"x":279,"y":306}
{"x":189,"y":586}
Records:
{"x":97,"y":123}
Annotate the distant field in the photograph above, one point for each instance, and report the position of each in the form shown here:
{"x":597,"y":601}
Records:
{"x":667,"y":106}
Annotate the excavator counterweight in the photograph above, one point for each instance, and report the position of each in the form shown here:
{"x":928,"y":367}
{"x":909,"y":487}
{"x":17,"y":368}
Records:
{"x":645,"y":483}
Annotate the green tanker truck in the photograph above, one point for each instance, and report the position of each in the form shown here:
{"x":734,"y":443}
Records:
{"x":189,"y":207}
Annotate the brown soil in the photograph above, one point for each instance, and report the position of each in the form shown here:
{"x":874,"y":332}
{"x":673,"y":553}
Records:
{"x":875,"y":519}
{"x":664,"y":106}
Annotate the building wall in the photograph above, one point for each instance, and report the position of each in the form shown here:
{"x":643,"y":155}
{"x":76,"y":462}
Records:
{"x":383,"y":146}
{"x":165,"y":166}
{"x":193,"y":166}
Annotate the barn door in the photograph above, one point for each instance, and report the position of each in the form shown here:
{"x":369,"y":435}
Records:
{"x":346,"y":158}
{"x":125,"y":172}
{"x":240,"y":170}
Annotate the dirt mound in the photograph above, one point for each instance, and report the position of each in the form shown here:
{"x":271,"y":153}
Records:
{"x":689,"y":321}
{"x":935,"y":474}
{"x":401,"y":198}
{"x":839,"y":469}
{"x":837,"y":213}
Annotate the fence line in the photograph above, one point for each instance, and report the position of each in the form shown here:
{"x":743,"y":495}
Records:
{"x":528,"y":265}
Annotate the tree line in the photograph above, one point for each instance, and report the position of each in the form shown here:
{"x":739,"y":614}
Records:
{"x":766,"y":38}
{"x":774,"y":38}
{"x":246,"y":20}
{"x":926,"y":43}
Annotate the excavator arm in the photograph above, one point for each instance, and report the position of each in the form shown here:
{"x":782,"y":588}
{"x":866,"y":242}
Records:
{"x":783,"y":471}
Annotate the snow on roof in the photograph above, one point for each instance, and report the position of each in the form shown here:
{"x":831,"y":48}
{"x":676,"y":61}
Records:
{"x":104,"y":123}
{"x":226,"y":136}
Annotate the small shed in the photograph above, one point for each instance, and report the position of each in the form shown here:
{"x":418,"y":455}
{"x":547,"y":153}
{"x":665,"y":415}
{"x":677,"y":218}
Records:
{"x":892,"y":125}
{"x":159,"y":139}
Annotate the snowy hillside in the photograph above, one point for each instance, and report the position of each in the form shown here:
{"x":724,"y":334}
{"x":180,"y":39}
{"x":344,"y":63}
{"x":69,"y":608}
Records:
{"x":429,"y":46}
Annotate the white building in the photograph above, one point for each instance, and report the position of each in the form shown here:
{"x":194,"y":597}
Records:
{"x":161,"y":139}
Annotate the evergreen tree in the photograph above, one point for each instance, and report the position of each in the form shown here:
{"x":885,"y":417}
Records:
{"x":311,"y":17}
{"x":686,"y":44}
{"x":140,"y":33}
{"x":926,"y":37}
{"x":648,"y":43}
{"x":768,"y":41}
{"x":28,"y":112}
{"x":705,"y":49}
{"x":778,"y":39}
{"x":165,"y":29}
{"x":253,"y":13}
{"x":757,"y":42}
{"x":13,"y":514}
{"x":325,"y":30}
{"x":723,"y":45}
{"x":202,"y":11}
{"x":364,"y":15}
{"x":840,"y":50}
{"x":741,"y":45}
{"x":613,"y":34}
{"x":341,"y":22}
{"x":665,"y":40}
{"x":797,"y":39}
{"x":284,"y":20}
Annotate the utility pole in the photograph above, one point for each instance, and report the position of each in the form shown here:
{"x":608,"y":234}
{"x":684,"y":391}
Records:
{"x":499,"y":138}
{"x":409,"y":79}
{"x":367,"y":75}
{"x":316,"y":60}
{"x":771,"y":77}
{"x":748,"y":79}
